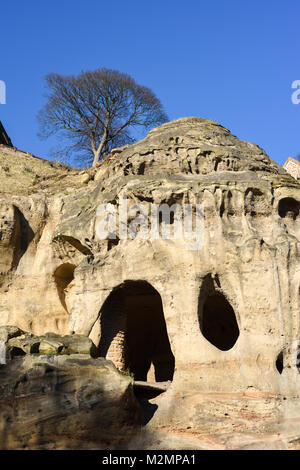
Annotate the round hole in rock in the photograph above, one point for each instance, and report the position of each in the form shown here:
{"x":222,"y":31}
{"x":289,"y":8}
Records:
{"x":217,"y":319}
{"x":288,"y":208}
{"x":134,"y":333}
{"x":279,"y":362}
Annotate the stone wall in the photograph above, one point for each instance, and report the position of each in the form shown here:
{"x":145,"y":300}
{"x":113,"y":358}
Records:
{"x":292,"y":166}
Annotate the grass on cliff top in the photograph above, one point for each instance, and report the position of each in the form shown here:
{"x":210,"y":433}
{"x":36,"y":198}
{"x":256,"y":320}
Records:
{"x":22,"y":173}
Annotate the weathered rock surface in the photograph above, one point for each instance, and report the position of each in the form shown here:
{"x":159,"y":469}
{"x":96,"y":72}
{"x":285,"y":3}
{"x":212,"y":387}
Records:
{"x":65,"y":402}
{"x":227,"y":313}
{"x":20,"y":343}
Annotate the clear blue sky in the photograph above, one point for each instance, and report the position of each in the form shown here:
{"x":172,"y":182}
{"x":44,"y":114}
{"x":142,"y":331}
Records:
{"x":231,"y":61}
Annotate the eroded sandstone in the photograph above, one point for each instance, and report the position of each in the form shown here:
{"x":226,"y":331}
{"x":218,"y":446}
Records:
{"x":54,"y":395}
{"x":221,"y":322}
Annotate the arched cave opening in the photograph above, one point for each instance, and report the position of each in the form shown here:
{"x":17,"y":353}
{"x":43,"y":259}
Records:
{"x":63,"y":277}
{"x":289,"y":208}
{"x":216,"y":316}
{"x":255,"y":203}
{"x":134,"y":333}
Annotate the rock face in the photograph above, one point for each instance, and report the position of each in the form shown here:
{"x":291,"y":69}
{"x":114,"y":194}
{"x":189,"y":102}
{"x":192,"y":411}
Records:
{"x":221,"y":321}
{"x":55,"y":398}
{"x":20,"y":343}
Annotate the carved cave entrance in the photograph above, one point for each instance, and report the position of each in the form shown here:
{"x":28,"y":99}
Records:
{"x":217,"y":319}
{"x":289,"y":208}
{"x":64,"y":276}
{"x":134,"y":333}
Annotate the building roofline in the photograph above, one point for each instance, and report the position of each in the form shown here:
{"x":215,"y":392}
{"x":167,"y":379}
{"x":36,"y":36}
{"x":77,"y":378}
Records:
{"x":4,"y":139}
{"x":289,"y":159}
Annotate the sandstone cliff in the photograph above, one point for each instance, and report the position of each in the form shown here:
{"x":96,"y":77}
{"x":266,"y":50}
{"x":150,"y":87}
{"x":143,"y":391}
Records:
{"x":223,"y":319}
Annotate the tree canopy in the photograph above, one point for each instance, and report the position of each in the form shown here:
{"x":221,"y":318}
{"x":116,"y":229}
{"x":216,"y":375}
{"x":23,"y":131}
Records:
{"x":96,"y":111}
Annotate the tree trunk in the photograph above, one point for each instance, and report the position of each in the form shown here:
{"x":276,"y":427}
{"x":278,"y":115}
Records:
{"x":98,"y":152}
{"x":96,"y":156}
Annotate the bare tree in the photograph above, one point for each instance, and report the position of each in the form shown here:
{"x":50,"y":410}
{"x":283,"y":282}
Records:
{"x":97,"y":111}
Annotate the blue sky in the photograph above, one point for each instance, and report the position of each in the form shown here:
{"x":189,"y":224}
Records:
{"x":233,"y":62}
